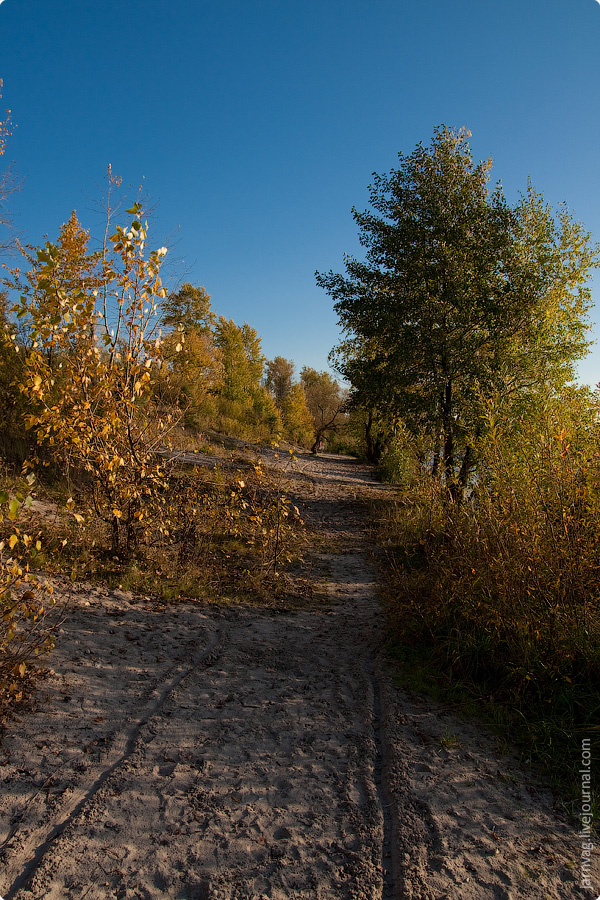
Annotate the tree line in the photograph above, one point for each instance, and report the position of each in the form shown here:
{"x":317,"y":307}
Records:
{"x":104,"y":319}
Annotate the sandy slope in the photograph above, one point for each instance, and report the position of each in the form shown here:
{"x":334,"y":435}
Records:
{"x":197,"y":753}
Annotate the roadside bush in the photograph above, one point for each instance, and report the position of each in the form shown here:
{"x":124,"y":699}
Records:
{"x":209,"y":533}
{"x":399,"y":465}
{"x":501,"y":592}
{"x":25,"y":599}
{"x":92,"y":354}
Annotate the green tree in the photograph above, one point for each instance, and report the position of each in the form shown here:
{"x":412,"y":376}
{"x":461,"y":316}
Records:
{"x":244,"y":401}
{"x":279,"y":378}
{"x":298,"y":422}
{"x":243,"y":360}
{"x":459,"y":296}
{"x":188,"y":309}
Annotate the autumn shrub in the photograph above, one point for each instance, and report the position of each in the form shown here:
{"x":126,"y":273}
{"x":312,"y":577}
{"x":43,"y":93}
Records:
{"x":92,"y":353}
{"x":15,"y":444}
{"x":501,"y":592}
{"x":238,"y":520}
{"x":26,"y":599}
{"x":229,"y":529}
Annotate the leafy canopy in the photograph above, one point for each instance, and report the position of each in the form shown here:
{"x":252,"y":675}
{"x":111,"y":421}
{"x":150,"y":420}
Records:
{"x":459,"y":296}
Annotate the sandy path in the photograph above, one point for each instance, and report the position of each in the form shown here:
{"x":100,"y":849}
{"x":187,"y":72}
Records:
{"x":242,"y":754}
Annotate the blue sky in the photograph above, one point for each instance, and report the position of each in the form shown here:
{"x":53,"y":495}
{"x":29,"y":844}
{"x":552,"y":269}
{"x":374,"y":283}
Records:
{"x":256,"y":125}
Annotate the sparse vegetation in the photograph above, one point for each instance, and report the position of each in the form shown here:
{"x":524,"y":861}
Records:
{"x":25,"y":598}
{"x":227,"y":530}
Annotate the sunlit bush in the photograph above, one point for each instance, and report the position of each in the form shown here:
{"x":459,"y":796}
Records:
{"x":501,"y":591}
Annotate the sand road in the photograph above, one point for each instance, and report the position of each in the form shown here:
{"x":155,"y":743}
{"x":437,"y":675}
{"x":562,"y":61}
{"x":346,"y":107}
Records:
{"x":236,"y":753}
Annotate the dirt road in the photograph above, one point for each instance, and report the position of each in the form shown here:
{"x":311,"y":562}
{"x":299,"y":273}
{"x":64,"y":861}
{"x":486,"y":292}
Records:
{"x":233,"y":753}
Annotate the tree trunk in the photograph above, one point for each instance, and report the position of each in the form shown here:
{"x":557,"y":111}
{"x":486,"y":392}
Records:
{"x":448,"y":426}
{"x":375,"y":446}
{"x":435,"y":465}
{"x":115,"y":541}
{"x":466,"y":467}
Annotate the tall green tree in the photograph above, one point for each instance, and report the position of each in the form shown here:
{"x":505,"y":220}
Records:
{"x":243,"y":400}
{"x":279,"y":377}
{"x":188,"y":309}
{"x":243,"y":359}
{"x":459,"y":296}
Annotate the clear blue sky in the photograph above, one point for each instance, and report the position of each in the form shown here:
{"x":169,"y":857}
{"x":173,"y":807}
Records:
{"x":256,"y":126}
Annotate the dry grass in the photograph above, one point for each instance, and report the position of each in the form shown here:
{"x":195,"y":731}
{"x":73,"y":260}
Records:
{"x":498,"y":598}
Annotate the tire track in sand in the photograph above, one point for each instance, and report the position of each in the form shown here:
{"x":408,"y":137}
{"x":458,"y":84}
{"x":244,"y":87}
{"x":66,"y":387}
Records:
{"x":122,"y":749}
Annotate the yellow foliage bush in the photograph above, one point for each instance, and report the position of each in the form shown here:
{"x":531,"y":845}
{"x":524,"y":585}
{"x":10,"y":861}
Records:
{"x":500,"y":592}
{"x":25,"y":599}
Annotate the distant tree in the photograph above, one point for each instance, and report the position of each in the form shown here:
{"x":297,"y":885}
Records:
{"x":279,"y":378}
{"x":324,"y":399}
{"x":459,"y":296}
{"x":243,"y":360}
{"x":243,"y":398}
{"x":188,"y":309}
{"x":194,"y":367}
{"x":298,"y":421}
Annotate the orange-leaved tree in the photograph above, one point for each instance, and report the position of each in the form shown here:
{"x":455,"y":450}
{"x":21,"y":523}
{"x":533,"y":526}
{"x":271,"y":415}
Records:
{"x":94,"y":348}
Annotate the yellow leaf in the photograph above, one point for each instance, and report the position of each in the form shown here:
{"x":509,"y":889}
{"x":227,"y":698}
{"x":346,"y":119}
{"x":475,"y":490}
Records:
{"x":117,"y":513}
{"x":13,"y":539}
